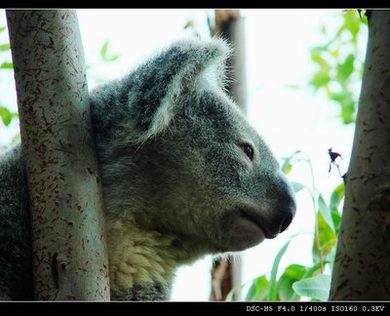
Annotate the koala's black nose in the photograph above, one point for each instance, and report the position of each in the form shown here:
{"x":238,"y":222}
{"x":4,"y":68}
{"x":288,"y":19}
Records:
{"x":286,"y":222}
{"x":286,"y":203}
{"x":285,"y":207}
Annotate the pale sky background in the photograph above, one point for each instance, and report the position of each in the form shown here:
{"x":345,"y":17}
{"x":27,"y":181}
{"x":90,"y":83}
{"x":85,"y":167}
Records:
{"x":278,"y":55}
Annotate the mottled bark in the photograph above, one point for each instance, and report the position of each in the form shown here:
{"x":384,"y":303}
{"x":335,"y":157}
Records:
{"x":69,"y":250}
{"x":362,"y":265}
{"x":229,"y":24}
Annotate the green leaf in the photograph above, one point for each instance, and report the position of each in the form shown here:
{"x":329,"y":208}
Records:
{"x":258,"y":289}
{"x":325,"y":211}
{"x":273,"y":291}
{"x":337,"y":196}
{"x":293,"y":273}
{"x":4,"y":47}
{"x":335,"y":53}
{"x":319,"y":59}
{"x":6,"y":65}
{"x":234,"y":293}
{"x":316,"y":287}
{"x":287,"y":166}
{"x":336,"y":217}
{"x":104,"y":49}
{"x":345,"y":69}
{"x":320,"y":78}
{"x":364,"y":20}
{"x":337,"y":75}
{"x":114,"y":57}
{"x":6,"y":115}
{"x":324,"y":239}
{"x":2,"y":28}
{"x":104,"y":53}
{"x":341,"y":97}
{"x":352,"y":24}
{"x":310,"y":272}
{"x":252,"y":293}
{"x":348,"y":112}
{"x":287,"y":162}
{"x":347,"y":105}
{"x":297,"y":186}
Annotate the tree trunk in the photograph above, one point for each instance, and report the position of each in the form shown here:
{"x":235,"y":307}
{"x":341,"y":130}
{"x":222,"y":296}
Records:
{"x":70,"y":255}
{"x":226,"y":273}
{"x":230,"y":25}
{"x":362,"y":264}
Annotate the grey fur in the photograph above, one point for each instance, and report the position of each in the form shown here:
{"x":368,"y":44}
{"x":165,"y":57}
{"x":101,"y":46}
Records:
{"x":146,"y":292}
{"x":15,"y":236}
{"x":170,"y":148}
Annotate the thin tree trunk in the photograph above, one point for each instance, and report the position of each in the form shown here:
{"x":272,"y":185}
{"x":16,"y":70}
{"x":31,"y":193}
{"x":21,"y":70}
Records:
{"x":362,"y":265}
{"x":230,"y":25}
{"x":70,"y":255}
{"x":226,"y":273}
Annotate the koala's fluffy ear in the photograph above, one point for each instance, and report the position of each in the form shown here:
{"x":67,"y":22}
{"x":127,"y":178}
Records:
{"x":157,"y":84}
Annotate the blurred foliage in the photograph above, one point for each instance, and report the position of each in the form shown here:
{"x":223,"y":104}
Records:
{"x":339,"y":74}
{"x":104,"y":53}
{"x":339,"y":65}
{"x":6,"y":65}
{"x":6,"y":115}
{"x":4,"y":47}
{"x":316,"y":287}
{"x":298,"y":281}
{"x":105,"y":58}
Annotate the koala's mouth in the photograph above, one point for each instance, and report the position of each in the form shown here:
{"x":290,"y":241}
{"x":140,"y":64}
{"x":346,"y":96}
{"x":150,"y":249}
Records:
{"x":254,"y":217}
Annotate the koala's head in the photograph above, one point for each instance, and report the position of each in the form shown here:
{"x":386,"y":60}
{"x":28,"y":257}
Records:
{"x":182,"y":159}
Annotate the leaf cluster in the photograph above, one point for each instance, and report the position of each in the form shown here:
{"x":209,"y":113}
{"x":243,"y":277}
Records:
{"x":298,"y":281}
{"x":339,"y":65}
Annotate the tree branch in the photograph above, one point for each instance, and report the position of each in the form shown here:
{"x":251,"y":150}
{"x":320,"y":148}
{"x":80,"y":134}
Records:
{"x":361,"y":269}
{"x":70,"y":255}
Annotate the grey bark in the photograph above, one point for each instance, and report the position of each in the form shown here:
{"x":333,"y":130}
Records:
{"x":69,"y":249}
{"x":362,"y":264}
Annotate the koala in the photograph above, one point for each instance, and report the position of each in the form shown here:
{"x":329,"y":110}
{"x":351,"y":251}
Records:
{"x":183,"y":175}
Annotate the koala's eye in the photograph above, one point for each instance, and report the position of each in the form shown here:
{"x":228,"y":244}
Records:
{"x":248,"y":150}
